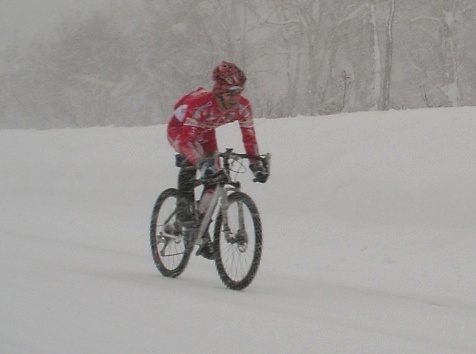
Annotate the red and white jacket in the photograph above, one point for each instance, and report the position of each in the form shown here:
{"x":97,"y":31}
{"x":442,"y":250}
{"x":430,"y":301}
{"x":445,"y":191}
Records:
{"x":191,"y":130}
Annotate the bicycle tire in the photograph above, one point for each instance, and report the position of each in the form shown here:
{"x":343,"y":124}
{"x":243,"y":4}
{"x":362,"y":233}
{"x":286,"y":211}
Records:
{"x":237,"y":259}
{"x":171,"y":252}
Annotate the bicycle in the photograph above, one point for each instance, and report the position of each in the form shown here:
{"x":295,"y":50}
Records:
{"x":237,"y":233}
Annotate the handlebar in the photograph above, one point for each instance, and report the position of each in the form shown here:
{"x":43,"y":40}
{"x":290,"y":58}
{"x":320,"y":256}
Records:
{"x":223,"y":175}
{"x":230,"y":155}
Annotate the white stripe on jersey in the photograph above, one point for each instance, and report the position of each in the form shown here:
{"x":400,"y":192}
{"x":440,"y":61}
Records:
{"x":180,"y":112}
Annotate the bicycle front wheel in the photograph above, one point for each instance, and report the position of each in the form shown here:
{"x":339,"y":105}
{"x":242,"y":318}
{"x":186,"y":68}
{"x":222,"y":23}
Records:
{"x":238,"y":242}
{"x":170,"y":247}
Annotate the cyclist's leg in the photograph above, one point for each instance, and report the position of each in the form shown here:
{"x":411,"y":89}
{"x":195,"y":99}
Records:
{"x":205,"y":245}
{"x":186,"y":196}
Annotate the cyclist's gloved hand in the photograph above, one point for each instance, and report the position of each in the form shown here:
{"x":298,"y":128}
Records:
{"x":259,"y":171}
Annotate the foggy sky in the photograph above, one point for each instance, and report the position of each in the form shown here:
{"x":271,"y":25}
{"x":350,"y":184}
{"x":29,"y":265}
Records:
{"x":23,"y":19}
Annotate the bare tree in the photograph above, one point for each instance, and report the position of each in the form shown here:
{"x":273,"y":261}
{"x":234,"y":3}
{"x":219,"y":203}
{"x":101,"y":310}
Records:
{"x":375,"y":90}
{"x":128,"y":66}
{"x":388,"y":59}
{"x":447,"y":18}
{"x":442,"y":61}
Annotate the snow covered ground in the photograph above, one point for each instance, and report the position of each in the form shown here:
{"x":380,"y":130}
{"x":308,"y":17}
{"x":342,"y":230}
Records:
{"x":370,"y":241}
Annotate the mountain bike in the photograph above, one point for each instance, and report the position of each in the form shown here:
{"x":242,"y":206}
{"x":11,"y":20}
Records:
{"x":237,"y":233}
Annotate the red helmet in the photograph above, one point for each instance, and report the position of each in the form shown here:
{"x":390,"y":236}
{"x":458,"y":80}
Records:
{"x":227,"y":76}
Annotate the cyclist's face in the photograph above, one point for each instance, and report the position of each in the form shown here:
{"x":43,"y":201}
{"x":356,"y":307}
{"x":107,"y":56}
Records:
{"x":231,"y":99}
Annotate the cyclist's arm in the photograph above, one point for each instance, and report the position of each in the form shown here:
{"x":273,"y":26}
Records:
{"x":248,"y":134}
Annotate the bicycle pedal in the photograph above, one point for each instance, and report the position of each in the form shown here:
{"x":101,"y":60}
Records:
{"x":173,"y":229}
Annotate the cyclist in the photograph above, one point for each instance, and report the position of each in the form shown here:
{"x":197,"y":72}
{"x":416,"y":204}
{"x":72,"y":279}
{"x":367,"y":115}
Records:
{"x":191,"y":132}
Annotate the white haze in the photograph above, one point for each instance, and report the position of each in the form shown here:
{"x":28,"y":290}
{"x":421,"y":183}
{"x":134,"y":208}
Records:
{"x":22,"y":20}
{"x":369,"y":241}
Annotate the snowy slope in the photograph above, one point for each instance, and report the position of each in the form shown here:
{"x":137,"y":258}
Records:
{"x":369,"y":241}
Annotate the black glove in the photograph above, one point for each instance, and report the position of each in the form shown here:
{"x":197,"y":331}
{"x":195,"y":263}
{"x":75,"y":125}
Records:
{"x":259,"y":171}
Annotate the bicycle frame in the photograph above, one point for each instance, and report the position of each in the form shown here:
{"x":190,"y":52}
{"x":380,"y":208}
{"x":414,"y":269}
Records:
{"x":219,"y":195}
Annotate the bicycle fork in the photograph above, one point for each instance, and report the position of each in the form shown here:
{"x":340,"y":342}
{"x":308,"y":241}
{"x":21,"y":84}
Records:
{"x":241,"y":236}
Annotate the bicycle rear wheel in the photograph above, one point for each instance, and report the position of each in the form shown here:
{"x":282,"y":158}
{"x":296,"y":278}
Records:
{"x":170,"y":247}
{"x":238,"y":250}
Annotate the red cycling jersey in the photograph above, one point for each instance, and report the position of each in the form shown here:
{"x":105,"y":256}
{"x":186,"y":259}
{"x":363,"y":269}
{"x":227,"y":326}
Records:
{"x":191,"y":130}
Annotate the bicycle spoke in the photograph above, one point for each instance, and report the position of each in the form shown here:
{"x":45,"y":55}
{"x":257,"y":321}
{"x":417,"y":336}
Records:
{"x":167,"y":241}
{"x":239,"y":250}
